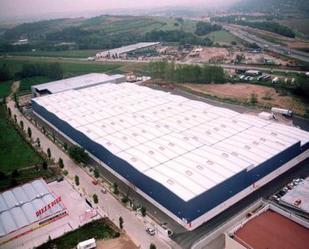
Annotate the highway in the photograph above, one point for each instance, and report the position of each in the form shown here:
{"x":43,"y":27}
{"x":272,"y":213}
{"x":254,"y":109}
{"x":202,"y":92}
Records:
{"x":242,"y":34}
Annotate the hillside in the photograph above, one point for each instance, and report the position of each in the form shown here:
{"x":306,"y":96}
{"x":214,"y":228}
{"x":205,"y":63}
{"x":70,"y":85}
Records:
{"x":278,"y":7}
{"x":100,"y":32}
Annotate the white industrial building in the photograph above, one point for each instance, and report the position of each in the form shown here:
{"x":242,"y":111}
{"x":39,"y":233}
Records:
{"x":191,"y":159}
{"x":22,"y":209}
{"x":77,"y":82}
{"x":122,"y":51}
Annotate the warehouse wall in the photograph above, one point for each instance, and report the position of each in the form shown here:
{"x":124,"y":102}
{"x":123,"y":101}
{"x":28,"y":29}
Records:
{"x":189,"y":210}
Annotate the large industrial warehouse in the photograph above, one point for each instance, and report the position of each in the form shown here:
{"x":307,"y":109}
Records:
{"x":190,"y":159}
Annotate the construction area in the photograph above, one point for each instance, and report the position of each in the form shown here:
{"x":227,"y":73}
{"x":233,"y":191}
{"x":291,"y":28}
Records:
{"x":160,"y":143}
{"x":154,"y":51}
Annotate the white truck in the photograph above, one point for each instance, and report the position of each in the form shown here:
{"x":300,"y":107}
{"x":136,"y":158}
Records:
{"x":87,"y":244}
{"x":284,"y":112}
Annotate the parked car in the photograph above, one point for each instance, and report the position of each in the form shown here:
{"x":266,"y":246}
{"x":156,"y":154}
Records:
{"x":150,"y":231}
{"x":94,"y":182}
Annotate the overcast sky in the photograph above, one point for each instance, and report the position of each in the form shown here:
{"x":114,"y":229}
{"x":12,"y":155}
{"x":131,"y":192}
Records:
{"x":39,"y":7}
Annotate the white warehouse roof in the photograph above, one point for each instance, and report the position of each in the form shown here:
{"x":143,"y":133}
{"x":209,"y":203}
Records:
{"x":18,"y":206}
{"x":187,"y":146}
{"x":126,"y":49}
{"x":78,"y":82}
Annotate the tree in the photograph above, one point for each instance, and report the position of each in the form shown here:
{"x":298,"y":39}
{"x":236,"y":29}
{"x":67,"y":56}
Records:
{"x":96,"y":173}
{"x":76,"y":180}
{"x":65,"y":146}
{"x":5,"y":73}
{"x":15,"y":173}
{"x":253,"y":98}
{"x":29,"y":132}
{"x":125,"y":199}
{"x":115,"y":188}
{"x":95,"y":199}
{"x":14,"y":182}
{"x":44,"y":165}
{"x":48,"y":153}
{"x":38,"y":142}
{"x":2,"y":175}
{"x":21,"y":124}
{"x":203,"y":28}
{"x":143,"y":211}
{"x":60,"y":162}
{"x":15,"y":118}
{"x":152,"y":246}
{"x":121,"y":222}
{"x":9,"y":112}
{"x":78,"y":154}
{"x":16,"y":100}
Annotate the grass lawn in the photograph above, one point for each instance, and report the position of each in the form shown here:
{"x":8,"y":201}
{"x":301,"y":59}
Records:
{"x":96,"y":229}
{"x":222,"y":36}
{"x":76,"y":67}
{"x":70,"y":67}
{"x":15,"y":153}
{"x":66,"y":54}
{"x":5,"y":88}
{"x":26,"y":175}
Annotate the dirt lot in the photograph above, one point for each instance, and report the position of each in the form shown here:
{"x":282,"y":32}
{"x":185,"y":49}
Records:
{"x":123,"y":242}
{"x":228,"y":55}
{"x":242,"y":93}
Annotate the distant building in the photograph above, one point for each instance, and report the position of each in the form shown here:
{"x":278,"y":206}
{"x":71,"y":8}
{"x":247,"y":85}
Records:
{"x":21,"y":42}
{"x":271,"y":227}
{"x":123,"y":51}
{"x":78,"y":82}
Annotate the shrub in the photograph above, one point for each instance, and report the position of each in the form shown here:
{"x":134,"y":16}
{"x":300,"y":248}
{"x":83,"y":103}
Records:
{"x":95,"y":199}
{"x":60,"y":162}
{"x":76,"y":180}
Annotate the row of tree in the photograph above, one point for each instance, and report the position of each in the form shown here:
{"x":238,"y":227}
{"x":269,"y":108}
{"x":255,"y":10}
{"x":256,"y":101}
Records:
{"x":186,"y":73}
{"x":204,"y":28}
{"x":177,"y":36}
{"x":263,"y":25}
{"x":53,"y":71}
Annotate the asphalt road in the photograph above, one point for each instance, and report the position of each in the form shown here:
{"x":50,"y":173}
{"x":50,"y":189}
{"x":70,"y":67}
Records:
{"x":248,"y":37}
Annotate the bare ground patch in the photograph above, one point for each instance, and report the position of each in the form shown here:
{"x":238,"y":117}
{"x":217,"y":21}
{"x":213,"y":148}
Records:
{"x":241,"y":92}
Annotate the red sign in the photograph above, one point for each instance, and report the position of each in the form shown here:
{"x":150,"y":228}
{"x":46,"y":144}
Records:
{"x":48,"y":206}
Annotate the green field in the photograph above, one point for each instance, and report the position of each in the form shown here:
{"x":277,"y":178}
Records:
{"x":222,"y":36}
{"x":70,"y":67}
{"x":5,"y":88}
{"x":75,"y":67}
{"x":96,"y":229}
{"x":26,"y":175}
{"x":65,"y":54}
{"x":15,"y":153}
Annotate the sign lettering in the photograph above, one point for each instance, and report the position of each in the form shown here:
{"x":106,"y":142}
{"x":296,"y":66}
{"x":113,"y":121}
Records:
{"x":48,"y":206}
